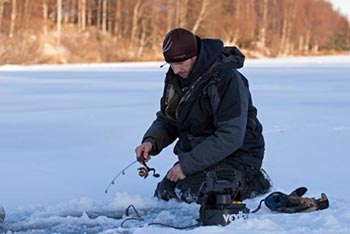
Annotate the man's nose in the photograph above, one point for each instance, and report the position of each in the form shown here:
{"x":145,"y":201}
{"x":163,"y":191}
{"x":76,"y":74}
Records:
{"x":176,"y":68}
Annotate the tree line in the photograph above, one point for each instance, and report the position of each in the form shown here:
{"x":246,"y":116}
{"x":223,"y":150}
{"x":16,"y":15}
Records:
{"x":136,"y":28}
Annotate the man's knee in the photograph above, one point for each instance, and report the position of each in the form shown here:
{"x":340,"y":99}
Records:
{"x":184,"y":190}
{"x":186,"y":193}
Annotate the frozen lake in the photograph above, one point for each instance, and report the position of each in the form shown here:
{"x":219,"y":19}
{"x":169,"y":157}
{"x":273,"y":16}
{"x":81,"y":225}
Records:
{"x":67,"y":130}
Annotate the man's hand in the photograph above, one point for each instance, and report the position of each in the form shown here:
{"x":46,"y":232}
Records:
{"x":175,"y":173}
{"x":143,"y":152}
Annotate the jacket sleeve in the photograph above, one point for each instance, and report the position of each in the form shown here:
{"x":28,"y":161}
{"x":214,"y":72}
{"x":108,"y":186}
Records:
{"x":161,"y":133}
{"x":229,"y":102}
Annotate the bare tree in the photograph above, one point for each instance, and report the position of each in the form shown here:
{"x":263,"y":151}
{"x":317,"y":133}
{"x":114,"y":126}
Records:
{"x":264,"y":22}
{"x":82,"y":14}
{"x":110,"y":16}
{"x":181,"y":12}
{"x":89,"y":12}
{"x":227,"y":13}
{"x":118,"y":19}
{"x":104,"y":15}
{"x":79,"y":15}
{"x":289,"y":14}
{"x":202,"y":15}
{"x":144,"y":39}
{"x":156,"y":34}
{"x":170,"y":15}
{"x":282,"y":27}
{"x":45,"y":16}
{"x":67,"y":6}
{"x":98,"y":15}
{"x":59,"y":21}
{"x":72,"y":12}
{"x":13,"y":18}
{"x":135,"y":18}
{"x":1,"y":12}
{"x":26,"y":13}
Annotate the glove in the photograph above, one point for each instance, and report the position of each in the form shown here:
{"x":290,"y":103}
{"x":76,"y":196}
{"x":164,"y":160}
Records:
{"x":295,"y":202}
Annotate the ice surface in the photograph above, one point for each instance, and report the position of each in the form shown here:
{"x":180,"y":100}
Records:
{"x":67,"y":130}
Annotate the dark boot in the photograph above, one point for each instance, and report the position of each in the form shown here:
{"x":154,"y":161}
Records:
{"x":256,"y":182}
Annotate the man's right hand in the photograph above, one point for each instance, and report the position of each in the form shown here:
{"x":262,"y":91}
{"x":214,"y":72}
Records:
{"x":143,"y":152}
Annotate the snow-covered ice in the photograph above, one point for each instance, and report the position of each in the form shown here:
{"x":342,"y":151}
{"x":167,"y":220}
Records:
{"x":67,"y":130}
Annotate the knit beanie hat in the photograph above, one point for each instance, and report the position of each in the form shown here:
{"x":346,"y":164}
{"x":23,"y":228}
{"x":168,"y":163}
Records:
{"x":179,"y":44}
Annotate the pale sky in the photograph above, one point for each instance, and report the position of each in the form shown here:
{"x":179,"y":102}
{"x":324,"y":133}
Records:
{"x":341,"y":5}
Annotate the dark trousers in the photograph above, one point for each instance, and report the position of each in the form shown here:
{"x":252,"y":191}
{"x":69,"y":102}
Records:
{"x":254,"y":182}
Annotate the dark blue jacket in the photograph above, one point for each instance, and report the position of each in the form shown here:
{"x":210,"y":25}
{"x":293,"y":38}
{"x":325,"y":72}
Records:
{"x":210,"y":113}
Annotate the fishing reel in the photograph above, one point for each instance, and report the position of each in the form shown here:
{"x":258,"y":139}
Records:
{"x":145,"y":171}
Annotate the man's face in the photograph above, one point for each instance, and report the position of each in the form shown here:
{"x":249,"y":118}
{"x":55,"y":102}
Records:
{"x":183,"y":68}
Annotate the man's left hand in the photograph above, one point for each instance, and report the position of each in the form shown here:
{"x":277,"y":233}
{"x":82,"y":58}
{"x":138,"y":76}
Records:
{"x":175,"y":173}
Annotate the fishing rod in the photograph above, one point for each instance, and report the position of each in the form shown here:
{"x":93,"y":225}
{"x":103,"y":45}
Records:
{"x":144,"y":171}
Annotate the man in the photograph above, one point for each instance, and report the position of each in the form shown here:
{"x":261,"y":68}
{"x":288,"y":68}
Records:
{"x":207,"y":106}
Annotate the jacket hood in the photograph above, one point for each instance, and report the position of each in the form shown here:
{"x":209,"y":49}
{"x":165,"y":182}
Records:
{"x":233,"y":56}
{"x":209,"y":50}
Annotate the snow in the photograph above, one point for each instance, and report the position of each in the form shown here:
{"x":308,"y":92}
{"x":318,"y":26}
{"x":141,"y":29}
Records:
{"x":67,"y":130}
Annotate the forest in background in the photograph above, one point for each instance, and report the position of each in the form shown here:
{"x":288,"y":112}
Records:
{"x":93,"y":31}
